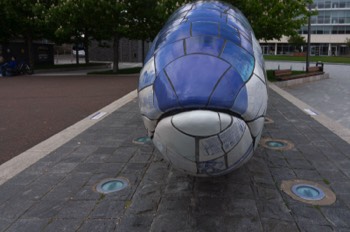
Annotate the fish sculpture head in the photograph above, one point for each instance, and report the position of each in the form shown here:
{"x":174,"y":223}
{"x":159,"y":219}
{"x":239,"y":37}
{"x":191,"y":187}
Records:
{"x":202,"y":91}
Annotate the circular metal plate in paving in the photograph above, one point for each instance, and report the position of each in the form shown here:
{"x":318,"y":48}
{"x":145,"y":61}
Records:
{"x":268,"y":120}
{"x":276,"y":144}
{"x":142,"y":140}
{"x":111,"y":185}
{"x":308,"y":192}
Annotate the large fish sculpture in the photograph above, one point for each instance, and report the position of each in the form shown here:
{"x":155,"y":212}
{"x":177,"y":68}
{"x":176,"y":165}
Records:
{"x":202,"y":91}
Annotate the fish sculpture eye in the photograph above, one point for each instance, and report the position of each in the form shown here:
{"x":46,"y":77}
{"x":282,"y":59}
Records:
{"x":202,"y":91}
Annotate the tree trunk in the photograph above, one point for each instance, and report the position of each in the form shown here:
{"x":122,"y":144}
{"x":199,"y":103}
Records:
{"x":86,"y":48}
{"x":143,"y":52}
{"x":30,"y":50}
{"x":76,"y":52}
{"x":115,"y":53}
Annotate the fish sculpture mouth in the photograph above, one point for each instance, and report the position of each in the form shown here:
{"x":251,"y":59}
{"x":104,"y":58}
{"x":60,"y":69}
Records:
{"x":203,"y":142}
{"x":202,"y":91}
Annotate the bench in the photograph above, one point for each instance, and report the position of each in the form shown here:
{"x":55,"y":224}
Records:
{"x":283,"y":72}
{"x":315,"y":69}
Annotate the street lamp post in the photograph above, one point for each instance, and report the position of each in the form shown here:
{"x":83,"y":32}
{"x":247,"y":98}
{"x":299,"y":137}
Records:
{"x":308,"y":40}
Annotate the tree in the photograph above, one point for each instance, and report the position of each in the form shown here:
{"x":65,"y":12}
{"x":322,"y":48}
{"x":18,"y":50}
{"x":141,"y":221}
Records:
{"x":270,"y":19}
{"x":297,"y":40}
{"x":76,"y":22}
{"x":347,"y":42}
{"x":26,"y":19}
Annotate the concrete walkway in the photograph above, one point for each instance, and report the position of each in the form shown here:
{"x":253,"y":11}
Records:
{"x":57,"y":193}
{"x":330,"y":97}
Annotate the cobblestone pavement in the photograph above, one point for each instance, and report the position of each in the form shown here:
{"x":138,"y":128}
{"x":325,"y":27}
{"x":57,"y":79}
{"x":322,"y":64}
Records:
{"x":57,"y":193}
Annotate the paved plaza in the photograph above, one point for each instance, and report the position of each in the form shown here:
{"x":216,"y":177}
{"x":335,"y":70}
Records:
{"x":57,"y":193}
{"x":330,"y":97}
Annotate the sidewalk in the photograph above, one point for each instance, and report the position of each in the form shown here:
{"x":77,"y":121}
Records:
{"x":57,"y":192}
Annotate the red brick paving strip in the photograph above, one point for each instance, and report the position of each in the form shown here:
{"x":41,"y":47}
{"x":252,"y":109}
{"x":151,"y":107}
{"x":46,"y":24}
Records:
{"x":33,"y":108}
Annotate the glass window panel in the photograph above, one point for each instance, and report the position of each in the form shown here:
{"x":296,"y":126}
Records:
{"x":205,"y":28}
{"x":240,"y":59}
{"x":204,"y":44}
{"x":194,"y":78}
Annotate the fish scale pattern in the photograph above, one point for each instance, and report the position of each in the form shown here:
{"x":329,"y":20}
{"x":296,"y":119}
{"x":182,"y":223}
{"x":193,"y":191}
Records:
{"x":206,"y":57}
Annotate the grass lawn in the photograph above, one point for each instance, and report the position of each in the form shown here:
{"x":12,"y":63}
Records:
{"x":58,"y":66}
{"x":121,"y":71}
{"x":325,"y":59}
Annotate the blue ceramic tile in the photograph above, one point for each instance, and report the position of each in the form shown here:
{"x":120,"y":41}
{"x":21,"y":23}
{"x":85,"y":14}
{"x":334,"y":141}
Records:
{"x":205,"y":14}
{"x":232,"y":21}
{"x":240,"y":59}
{"x":247,"y":45}
{"x":179,"y":32}
{"x":167,"y":54}
{"x":147,"y":75}
{"x":241,"y":102}
{"x":226,"y":91}
{"x":230,"y":33}
{"x":194,"y":77}
{"x":164,"y":93}
{"x":204,"y":44}
{"x":205,"y":28}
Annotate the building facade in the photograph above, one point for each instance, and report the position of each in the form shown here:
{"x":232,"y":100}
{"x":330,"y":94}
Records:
{"x":329,"y":30}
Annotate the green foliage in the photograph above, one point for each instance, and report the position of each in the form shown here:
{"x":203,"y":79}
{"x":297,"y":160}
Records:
{"x":297,"y":40}
{"x":271,"y":19}
{"x":347,"y":42}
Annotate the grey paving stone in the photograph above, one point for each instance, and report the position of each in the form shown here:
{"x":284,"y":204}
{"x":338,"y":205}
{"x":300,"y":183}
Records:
{"x":108,"y":209}
{"x":304,"y":227}
{"x":299,"y":164}
{"x":337,"y":216}
{"x":5,"y":223}
{"x":312,"y":175}
{"x":171,"y":221}
{"x":87,"y":193}
{"x":307,"y":214}
{"x":9,"y":190}
{"x":15,"y":208}
{"x":123,"y":154}
{"x":176,"y":204}
{"x":274,"y":209}
{"x":341,"y":187}
{"x":25,"y":178}
{"x":63,"y":225}
{"x":275,"y":225}
{"x":25,"y":225}
{"x":63,"y":167}
{"x":226,"y":223}
{"x":137,"y":223}
{"x":280,"y":174}
{"x":98,"y":225}
{"x":43,"y":210}
{"x":76,"y":209}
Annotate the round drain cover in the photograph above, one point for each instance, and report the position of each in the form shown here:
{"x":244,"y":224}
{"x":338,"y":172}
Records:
{"x":308,"y":192}
{"x":142,"y":140}
{"x":111,"y":185}
{"x":276,"y":144}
